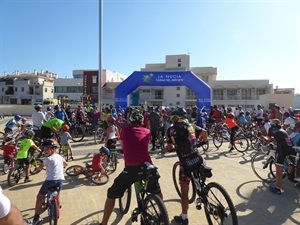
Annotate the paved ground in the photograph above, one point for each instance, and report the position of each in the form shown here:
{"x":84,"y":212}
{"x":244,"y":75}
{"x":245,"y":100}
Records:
{"x":83,"y":202}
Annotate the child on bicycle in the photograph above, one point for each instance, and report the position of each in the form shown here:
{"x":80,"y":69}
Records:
{"x":54,"y":164}
{"x":10,"y":125}
{"x":9,"y":151}
{"x":233,"y":126}
{"x":65,"y":138}
{"x":23,"y":124}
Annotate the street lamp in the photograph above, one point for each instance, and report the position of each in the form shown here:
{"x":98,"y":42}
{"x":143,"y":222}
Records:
{"x":78,"y":84}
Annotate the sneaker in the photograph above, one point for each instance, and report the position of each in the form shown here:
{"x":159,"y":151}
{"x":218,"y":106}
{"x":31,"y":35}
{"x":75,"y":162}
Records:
{"x":231,"y":149}
{"x":179,"y":219}
{"x":36,"y":221}
{"x":275,"y":190}
{"x":27,"y":180}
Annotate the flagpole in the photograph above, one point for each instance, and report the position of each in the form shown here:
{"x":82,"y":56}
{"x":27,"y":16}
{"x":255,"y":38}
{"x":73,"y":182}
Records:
{"x":100,"y":56}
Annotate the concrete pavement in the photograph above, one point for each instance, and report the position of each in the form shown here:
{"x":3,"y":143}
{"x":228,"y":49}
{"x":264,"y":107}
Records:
{"x":83,"y":202}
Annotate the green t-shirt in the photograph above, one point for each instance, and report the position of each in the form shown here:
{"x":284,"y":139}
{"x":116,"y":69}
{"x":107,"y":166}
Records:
{"x":24,"y":148}
{"x":56,"y":122}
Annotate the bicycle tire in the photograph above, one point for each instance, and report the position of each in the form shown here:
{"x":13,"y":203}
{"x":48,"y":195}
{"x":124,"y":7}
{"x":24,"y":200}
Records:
{"x":218,"y":140}
{"x":35,"y":165}
{"x":205,"y":147}
{"x":99,"y":179}
{"x":6,"y":167}
{"x":15,"y":175}
{"x":77,"y":133}
{"x":113,"y":162}
{"x":241,"y":143}
{"x":99,"y":135}
{"x":124,"y":202}
{"x":53,"y":213}
{"x":219,"y":208}
{"x":154,"y":211}
{"x":176,"y":182}
{"x":263,"y":167}
{"x":74,"y":170}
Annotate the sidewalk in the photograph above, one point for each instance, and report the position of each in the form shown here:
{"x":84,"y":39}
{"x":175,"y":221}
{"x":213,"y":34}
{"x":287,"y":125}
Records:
{"x":83,"y":202}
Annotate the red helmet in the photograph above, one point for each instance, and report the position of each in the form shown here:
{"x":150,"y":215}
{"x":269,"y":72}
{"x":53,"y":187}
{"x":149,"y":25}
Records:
{"x":230,"y":115}
{"x":65,"y":127}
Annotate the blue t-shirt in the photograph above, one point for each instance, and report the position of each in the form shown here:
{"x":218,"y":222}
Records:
{"x":11,"y":124}
{"x":60,"y":114}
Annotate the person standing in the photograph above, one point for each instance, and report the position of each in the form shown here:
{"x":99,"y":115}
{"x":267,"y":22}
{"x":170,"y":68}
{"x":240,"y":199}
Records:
{"x":134,"y":140}
{"x":38,"y":118}
{"x":155,"y":124}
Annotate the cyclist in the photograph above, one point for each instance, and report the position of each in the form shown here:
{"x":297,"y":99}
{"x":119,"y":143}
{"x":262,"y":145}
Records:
{"x":52,"y":125}
{"x":155,"y":124}
{"x":97,"y":161}
{"x":49,"y":114}
{"x":9,"y":150}
{"x":10,"y":125}
{"x":135,"y":140}
{"x":54,"y":164}
{"x":288,"y":121}
{"x":65,"y":136}
{"x":10,"y":214}
{"x":112,"y":133}
{"x":27,"y":148}
{"x":284,"y":148}
{"x":38,"y":117}
{"x":200,"y":123}
{"x":23,"y":124}
{"x":233,"y":126}
{"x":182,"y":135}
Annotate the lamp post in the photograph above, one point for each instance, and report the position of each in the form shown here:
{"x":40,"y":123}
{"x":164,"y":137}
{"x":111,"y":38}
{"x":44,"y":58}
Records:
{"x":78,"y":100}
{"x":100,"y":56}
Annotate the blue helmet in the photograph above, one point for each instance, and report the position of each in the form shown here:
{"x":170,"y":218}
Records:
{"x":104,"y":150}
{"x":17,"y":117}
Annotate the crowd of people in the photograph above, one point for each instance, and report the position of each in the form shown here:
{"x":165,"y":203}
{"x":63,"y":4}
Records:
{"x":136,"y":128}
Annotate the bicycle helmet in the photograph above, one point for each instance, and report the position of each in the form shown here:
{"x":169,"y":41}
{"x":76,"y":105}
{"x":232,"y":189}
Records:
{"x":136,"y":117}
{"x":111,"y":119}
{"x":17,"y":117}
{"x":230,"y":115}
{"x":50,"y":143}
{"x":24,"y":119}
{"x":104,"y":150}
{"x":8,"y":140}
{"x":29,"y":133}
{"x":65,"y":127}
{"x":179,"y":112}
{"x":37,"y":107}
{"x":49,"y":108}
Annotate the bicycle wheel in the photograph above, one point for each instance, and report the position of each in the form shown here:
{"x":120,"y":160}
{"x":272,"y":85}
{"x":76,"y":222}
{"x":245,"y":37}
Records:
{"x":112,"y":165}
{"x":205,"y":147}
{"x":15,"y":175}
{"x":124,"y":202}
{"x":65,"y":152}
{"x":53,"y":213}
{"x":74,"y":170}
{"x":6,"y":167}
{"x":99,"y":179}
{"x":154,"y":211}
{"x":218,"y":140}
{"x":99,"y":135}
{"x":241,"y":143}
{"x":176,"y":182}
{"x":35,"y":163}
{"x":161,"y":143}
{"x":77,"y":133}
{"x":263,"y":167}
{"x":219,"y":208}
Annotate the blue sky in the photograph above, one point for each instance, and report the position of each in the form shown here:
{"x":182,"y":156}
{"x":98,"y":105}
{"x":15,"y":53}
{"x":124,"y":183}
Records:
{"x":253,"y":39}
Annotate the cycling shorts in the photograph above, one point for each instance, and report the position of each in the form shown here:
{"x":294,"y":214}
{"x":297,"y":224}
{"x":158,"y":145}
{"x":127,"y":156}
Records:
{"x":8,"y":159}
{"x":49,"y":184}
{"x":183,"y":179}
{"x":282,"y":151}
{"x":46,"y":132}
{"x":26,"y":161}
{"x":130,"y":175}
{"x":7,"y":130}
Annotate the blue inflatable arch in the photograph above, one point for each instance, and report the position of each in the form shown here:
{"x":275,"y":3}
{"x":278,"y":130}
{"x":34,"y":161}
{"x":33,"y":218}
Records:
{"x":175,"y":78}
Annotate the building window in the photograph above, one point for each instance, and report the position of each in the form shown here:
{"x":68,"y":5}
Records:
{"x":52,"y":90}
{"x":178,"y":95}
{"x":179,"y":65}
{"x":2,"y":89}
{"x":94,"y":89}
{"x":232,"y":94}
{"x":94,"y":79}
{"x":190,"y":94}
{"x":218,"y":94}
{"x":179,"y":60}
{"x":16,"y":89}
{"x":177,"y":103}
{"x":22,"y":89}
{"x":246,"y":94}
{"x":158,"y":94}
{"x":46,"y":89}
{"x":205,"y":78}
{"x":178,"y":88}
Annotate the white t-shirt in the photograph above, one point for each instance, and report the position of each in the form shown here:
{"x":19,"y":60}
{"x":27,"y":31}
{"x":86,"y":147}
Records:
{"x":259,"y":114}
{"x":289,"y":121}
{"x":5,"y":204}
{"x":38,"y":119}
{"x":54,"y":167}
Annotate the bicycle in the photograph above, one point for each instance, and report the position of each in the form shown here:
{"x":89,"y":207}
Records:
{"x":77,"y":132}
{"x":240,"y":141}
{"x":64,"y":150}
{"x":51,"y":204}
{"x":100,"y":133}
{"x":263,"y":165}
{"x":95,"y":177}
{"x":18,"y":172}
{"x":218,"y":206}
{"x":160,"y":140}
{"x":112,"y":163}
{"x":150,"y":207}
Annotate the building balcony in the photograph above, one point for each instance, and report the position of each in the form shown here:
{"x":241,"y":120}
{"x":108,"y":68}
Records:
{"x":9,"y":92}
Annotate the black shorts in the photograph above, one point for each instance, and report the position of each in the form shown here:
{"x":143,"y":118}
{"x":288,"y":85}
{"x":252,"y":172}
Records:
{"x":7,"y":159}
{"x":7,"y":130}
{"x":130,"y":175}
{"x":282,"y":151}
{"x":26,"y":161}
{"x":46,"y":132}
